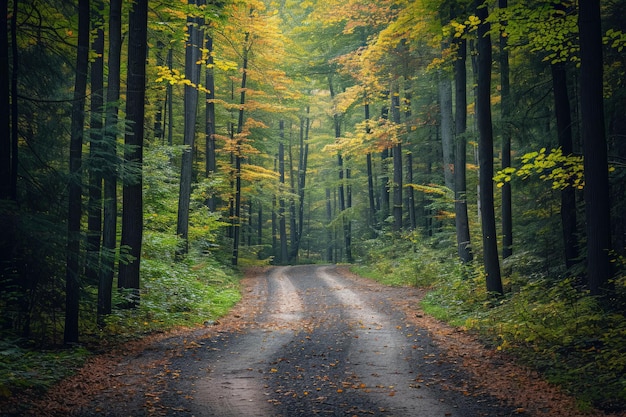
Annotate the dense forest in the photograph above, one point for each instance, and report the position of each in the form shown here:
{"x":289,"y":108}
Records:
{"x":152,"y":150}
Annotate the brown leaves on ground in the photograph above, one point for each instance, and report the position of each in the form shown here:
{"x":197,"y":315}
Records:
{"x":127,"y":369}
{"x":492,"y":372}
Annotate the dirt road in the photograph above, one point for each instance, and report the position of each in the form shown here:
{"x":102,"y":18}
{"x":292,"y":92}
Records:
{"x":309,"y":341}
{"x":306,"y":341}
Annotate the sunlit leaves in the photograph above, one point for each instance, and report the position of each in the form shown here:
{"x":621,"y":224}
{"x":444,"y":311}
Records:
{"x":561,"y":170}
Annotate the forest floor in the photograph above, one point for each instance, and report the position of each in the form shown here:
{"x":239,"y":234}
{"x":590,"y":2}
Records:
{"x":308,"y":340}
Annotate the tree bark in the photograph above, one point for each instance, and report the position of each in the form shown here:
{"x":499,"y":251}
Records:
{"x":485,"y":155}
{"x":72,"y":283}
{"x":211,"y":148}
{"x":110,"y":172}
{"x":411,"y":192}
{"x":568,"y":195}
{"x":132,"y":212}
{"x":447,"y":129}
{"x":5,"y":108}
{"x":464,"y":249}
{"x":397,"y":164}
{"x":192,"y":73}
{"x":94,"y":217}
{"x":596,"y":190}
{"x":237,"y":155}
{"x":505,"y":92}
{"x":282,"y":223}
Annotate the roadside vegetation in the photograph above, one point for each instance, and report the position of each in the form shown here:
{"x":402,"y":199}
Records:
{"x":547,"y":322}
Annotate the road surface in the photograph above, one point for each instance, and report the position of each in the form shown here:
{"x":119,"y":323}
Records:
{"x":306,"y":341}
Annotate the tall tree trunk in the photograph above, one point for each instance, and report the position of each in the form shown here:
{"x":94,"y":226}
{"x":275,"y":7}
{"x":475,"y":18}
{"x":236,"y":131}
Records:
{"x":132,"y":212}
{"x":14,"y":104}
{"x":410,"y":191}
{"x":238,"y":156}
{"x":460,"y":157}
{"x":485,"y":155}
{"x":596,"y":191}
{"x":211,"y":148}
{"x":505,"y":93}
{"x":329,"y":231}
{"x":169,"y":101}
{"x":5,"y":107}
{"x":282,"y":223}
{"x":447,"y":128}
{"x":568,"y":195}
{"x":7,"y":220}
{"x":397,"y":164}
{"x":293,"y":228}
{"x":94,"y":217}
{"x":72,"y":284}
{"x":109,"y":225}
{"x":192,"y":73}
{"x":341,"y":187}
{"x":370,"y":175}
{"x":384,"y":177}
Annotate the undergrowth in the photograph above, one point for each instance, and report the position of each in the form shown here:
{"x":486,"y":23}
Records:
{"x":173,"y":294}
{"x":549,"y":324}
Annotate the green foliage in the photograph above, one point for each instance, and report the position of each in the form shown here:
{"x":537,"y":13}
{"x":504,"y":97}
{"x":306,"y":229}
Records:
{"x":566,"y":334}
{"x":551,"y":325}
{"x":176,"y":294}
{"x":562,"y":170}
{"x":406,"y":260}
{"x":22,"y":368}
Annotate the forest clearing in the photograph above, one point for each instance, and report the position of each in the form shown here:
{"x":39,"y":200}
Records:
{"x":470,"y":153}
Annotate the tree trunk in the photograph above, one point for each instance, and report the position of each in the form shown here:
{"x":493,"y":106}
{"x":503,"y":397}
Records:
{"x":5,"y":108}
{"x":72,"y":284}
{"x":460,"y":182}
{"x":370,"y":177}
{"x":169,"y":100}
{"x":397,"y":164}
{"x":132,"y":212}
{"x":329,"y":217}
{"x":282,"y":223}
{"x":485,"y":155}
{"x":211,"y":148}
{"x":238,"y":156}
{"x":505,"y":104}
{"x":568,"y":195}
{"x":447,"y":128}
{"x":192,"y":73}
{"x":596,"y":191}
{"x":109,"y":226}
{"x":410,"y":191}
{"x":14,"y":104}
{"x":94,"y":217}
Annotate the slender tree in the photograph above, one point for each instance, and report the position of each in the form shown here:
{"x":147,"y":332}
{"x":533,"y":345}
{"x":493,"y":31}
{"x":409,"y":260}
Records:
{"x":505,"y":105}
{"x":597,"y":204}
{"x":397,"y":163}
{"x":485,"y":153}
{"x":132,"y":212}
{"x":109,"y":173}
{"x":192,"y":73}
{"x":5,"y":133}
{"x":564,"y":130}
{"x":94,"y":207}
{"x":72,"y":283}
{"x":211,"y":149}
{"x":460,"y":180}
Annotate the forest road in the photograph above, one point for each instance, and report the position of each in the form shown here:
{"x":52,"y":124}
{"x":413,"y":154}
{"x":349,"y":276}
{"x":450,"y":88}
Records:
{"x":304,"y":341}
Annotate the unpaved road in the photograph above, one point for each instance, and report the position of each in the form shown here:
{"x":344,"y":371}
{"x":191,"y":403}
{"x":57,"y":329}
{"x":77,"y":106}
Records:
{"x":309,"y":341}
{"x":319,"y":343}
